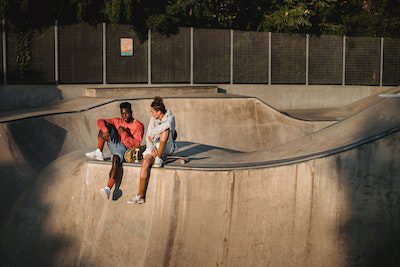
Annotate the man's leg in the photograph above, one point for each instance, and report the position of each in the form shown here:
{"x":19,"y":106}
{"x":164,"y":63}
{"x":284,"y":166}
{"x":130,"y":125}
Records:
{"x":100,"y":140}
{"x":116,"y":164}
{"x":117,"y":151}
{"x":98,"y":153}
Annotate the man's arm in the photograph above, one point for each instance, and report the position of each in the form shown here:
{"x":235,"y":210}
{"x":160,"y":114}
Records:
{"x":102,"y":126}
{"x":135,"y":140}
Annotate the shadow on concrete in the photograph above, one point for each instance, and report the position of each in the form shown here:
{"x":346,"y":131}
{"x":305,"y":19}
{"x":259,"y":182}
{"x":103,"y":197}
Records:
{"x":29,"y":236}
{"x":117,"y":193}
{"x":32,"y":144}
{"x":370,"y":224}
{"x":189,"y":149}
{"x":23,"y":246}
{"x":22,"y":97}
{"x":222,"y":91}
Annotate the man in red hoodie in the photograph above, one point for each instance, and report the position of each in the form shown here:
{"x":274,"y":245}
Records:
{"x":120,"y":134}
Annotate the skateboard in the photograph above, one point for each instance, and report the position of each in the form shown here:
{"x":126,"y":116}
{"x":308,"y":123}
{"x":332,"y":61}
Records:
{"x":180,"y":160}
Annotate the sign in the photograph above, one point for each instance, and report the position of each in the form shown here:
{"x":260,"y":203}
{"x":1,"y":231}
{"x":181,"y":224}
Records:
{"x":126,"y":47}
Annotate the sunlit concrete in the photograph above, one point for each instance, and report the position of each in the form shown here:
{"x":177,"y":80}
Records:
{"x":262,"y":189}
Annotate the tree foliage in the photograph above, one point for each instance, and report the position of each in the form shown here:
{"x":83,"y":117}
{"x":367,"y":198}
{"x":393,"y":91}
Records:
{"x":350,"y":17}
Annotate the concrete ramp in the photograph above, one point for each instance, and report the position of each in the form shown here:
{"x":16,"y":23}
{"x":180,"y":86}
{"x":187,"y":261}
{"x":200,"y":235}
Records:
{"x":35,"y":139}
{"x":327,"y":197}
{"x":337,"y":210}
{"x":363,"y":127}
{"x":343,"y":112}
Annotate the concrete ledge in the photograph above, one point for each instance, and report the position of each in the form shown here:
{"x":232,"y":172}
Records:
{"x":134,"y":91}
{"x":298,"y":96}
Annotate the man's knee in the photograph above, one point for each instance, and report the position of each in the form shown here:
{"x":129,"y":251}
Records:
{"x":116,"y":160}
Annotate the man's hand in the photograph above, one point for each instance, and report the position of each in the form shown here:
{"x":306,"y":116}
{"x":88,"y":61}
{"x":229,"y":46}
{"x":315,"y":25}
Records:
{"x":121,"y":130}
{"x":106,"y":136}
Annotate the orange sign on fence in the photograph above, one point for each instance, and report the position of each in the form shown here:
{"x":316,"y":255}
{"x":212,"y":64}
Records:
{"x":126,"y":46}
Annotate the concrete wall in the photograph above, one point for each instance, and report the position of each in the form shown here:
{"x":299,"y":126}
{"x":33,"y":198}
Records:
{"x":14,"y":97}
{"x":285,"y":97}
{"x":279,"y":96}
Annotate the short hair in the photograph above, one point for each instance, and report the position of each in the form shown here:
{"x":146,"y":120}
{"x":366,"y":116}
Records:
{"x":158,"y":105}
{"x":126,"y":105}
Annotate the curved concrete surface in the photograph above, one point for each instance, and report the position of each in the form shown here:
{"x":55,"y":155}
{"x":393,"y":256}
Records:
{"x":343,"y":112}
{"x":369,"y":124}
{"x":336,"y":211}
{"x":333,"y":199}
{"x":33,"y":140}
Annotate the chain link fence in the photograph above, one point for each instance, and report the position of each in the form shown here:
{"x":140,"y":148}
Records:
{"x":288,"y":58}
{"x":170,"y":57}
{"x":391,"y":61}
{"x":250,"y":57}
{"x":41,"y":62}
{"x":363,"y":60}
{"x":80,"y":53}
{"x":92,"y":54}
{"x":211,"y":56}
{"x":325,"y":60}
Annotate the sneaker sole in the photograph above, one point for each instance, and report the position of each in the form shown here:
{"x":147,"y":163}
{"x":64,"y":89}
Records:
{"x":132,"y":202}
{"x":95,"y":158}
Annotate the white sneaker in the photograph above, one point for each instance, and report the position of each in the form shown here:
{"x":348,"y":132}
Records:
{"x":97,"y":155}
{"x":158,"y":163}
{"x":138,"y":199}
{"x":105,"y":192}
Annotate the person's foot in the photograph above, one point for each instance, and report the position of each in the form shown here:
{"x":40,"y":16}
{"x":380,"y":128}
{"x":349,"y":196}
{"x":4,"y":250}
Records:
{"x":105,"y":192}
{"x":158,"y":162}
{"x":138,"y":199}
{"x":97,"y":155}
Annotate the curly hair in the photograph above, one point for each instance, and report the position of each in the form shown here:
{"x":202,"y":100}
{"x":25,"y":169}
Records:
{"x":158,"y":105}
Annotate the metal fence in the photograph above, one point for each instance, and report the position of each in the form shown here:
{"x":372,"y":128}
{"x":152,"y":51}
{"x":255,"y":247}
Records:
{"x":91,"y":54}
{"x":80,"y":54}
{"x":120,"y":69}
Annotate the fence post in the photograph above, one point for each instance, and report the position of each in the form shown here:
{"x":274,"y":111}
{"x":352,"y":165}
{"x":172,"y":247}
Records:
{"x":191,"y":55}
{"x":307,"y":55}
{"x":381,"y":66}
{"x":149,"y":57}
{"x":344,"y":61}
{"x":231,"y":69}
{"x":56,"y":52}
{"x":269,"y":58}
{"x":104,"y":53}
{"x":4,"y":52}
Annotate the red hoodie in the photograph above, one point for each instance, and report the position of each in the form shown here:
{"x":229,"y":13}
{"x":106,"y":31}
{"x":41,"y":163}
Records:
{"x":133,"y":135}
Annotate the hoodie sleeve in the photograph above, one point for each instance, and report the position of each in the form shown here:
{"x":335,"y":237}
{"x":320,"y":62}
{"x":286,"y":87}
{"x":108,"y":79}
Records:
{"x":102,"y":126}
{"x":165,"y":125}
{"x":149,"y":132}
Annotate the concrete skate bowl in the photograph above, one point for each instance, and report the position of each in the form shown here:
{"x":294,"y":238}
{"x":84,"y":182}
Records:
{"x":31,"y":143}
{"x":324,"y":197}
